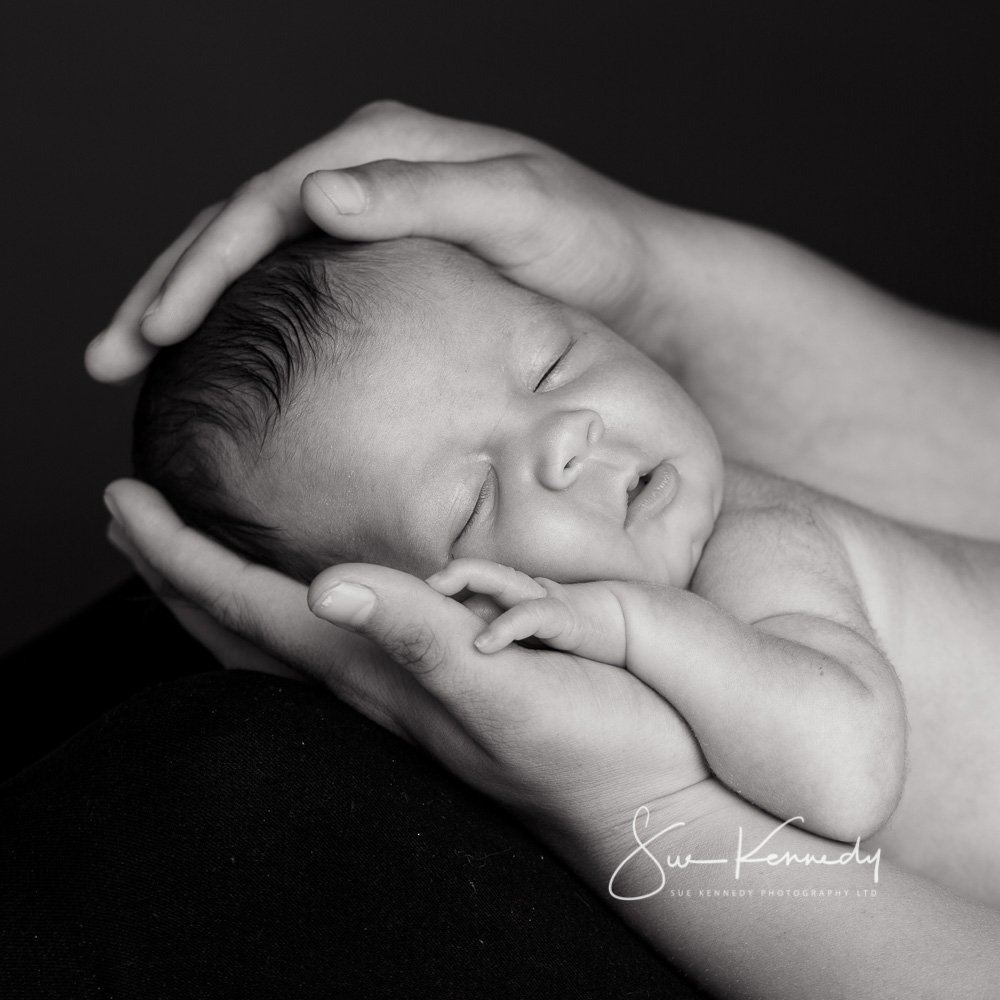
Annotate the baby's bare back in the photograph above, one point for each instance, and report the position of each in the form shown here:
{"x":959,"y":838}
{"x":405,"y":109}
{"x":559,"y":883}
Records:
{"x":933,"y":600}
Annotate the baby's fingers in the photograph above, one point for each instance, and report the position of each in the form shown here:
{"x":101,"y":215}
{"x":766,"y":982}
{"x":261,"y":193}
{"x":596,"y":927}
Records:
{"x":506,"y":585}
{"x":546,"y":618}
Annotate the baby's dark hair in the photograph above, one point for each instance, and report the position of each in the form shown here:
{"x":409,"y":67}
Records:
{"x":209,"y":406}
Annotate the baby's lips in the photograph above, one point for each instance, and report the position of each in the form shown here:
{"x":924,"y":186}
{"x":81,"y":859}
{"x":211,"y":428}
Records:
{"x":658,"y":493}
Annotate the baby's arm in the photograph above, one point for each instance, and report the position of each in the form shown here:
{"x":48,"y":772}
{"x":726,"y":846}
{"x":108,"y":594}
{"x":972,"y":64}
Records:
{"x":797,"y":710}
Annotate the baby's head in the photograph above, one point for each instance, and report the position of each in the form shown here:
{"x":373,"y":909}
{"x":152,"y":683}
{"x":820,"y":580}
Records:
{"x":401,"y":403}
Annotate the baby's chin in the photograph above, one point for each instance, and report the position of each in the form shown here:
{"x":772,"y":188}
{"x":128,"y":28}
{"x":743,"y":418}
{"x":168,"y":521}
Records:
{"x":677,"y":565}
{"x":682,"y":573}
{"x":675,"y":571}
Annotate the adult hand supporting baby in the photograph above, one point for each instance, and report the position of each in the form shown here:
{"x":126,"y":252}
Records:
{"x":532,"y":728}
{"x":579,"y":751}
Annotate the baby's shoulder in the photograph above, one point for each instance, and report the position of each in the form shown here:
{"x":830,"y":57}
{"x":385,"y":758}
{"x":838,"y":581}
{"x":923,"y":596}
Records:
{"x":773,"y":539}
{"x":762,"y":509}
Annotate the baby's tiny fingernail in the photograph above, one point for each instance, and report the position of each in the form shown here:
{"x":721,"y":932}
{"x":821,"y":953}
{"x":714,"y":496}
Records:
{"x":345,"y":604}
{"x":343,"y":191}
{"x":484,"y":642}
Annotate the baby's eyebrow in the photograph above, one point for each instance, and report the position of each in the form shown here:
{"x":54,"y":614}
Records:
{"x":546,"y":309}
{"x":525,"y":338}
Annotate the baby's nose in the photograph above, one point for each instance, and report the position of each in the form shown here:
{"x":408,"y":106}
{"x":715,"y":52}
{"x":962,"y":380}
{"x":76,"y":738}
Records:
{"x":565,"y":445}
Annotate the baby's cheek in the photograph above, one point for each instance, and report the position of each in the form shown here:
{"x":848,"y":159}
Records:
{"x":557,"y":548}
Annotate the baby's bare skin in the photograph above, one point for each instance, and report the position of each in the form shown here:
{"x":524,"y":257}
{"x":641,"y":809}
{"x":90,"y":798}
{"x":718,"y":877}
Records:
{"x":933,"y":600}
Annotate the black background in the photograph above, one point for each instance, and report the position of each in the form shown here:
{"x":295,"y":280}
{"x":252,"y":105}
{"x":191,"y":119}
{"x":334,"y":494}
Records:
{"x":868,"y":131}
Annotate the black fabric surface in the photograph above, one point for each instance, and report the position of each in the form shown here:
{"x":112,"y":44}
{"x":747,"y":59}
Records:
{"x":233,"y":834}
{"x":68,"y":676}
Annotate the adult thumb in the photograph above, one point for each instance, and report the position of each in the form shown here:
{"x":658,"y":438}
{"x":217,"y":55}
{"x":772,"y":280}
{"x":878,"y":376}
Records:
{"x":427,"y":633}
{"x":482,"y":204}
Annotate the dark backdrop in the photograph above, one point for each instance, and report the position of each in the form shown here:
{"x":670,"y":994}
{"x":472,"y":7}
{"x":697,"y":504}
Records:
{"x":867,"y":130}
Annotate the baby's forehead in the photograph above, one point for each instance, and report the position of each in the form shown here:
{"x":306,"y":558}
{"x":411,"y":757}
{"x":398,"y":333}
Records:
{"x":437,"y":360}
{"x":421,"y":294}
{"x":415,"y":263}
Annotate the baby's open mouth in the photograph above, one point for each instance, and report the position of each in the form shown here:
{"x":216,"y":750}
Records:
{"x":649,"y":495}
{"x":636,"y":487}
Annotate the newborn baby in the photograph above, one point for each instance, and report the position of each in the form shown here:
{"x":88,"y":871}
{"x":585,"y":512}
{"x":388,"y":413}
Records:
{"x":401,"y":403}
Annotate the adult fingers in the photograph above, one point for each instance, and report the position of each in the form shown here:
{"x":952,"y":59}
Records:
{"x":265,"y":608}
{"x":431,"y":636}
{"x":267,"y":210}
{"x":229,"y":649}
{"x":120,"y":351}
{"x":203,"y":582}
{"x":422,"y":630}
{"x":544,"y":221}
{"x":203,"y":572}
{"x":258,"y":218}
{"x":495,"y":206}
{"x":486,"y":708}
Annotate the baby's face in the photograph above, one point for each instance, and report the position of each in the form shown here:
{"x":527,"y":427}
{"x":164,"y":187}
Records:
{"x":496,"y":423}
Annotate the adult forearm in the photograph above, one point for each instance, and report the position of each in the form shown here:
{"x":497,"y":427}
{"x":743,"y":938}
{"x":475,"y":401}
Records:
{"x":791,"y":928}
{"x":811,"y":373}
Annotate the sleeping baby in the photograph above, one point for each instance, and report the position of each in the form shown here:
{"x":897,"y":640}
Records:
{"x":401,"y":403}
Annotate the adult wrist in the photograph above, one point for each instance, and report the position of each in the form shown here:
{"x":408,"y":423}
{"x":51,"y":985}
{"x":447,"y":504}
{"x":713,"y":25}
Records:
{"x":600,"y":835}
{"x":674,"y":255}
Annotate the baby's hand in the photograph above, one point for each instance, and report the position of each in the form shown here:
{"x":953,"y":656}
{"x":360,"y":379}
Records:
{"x":582,"y":618}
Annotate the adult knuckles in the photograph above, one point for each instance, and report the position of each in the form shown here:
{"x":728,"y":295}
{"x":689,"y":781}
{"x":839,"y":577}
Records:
{"x":230,"y":608}
{"x":414,"y":646}
{"x":383,"y":107}
{"x":525,"y":174}
{"x":385,"y":124}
